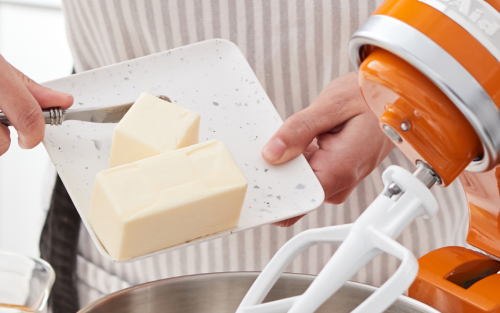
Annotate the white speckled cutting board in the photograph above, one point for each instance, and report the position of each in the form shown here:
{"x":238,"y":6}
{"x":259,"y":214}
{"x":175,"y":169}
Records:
{"x":212,"y":78}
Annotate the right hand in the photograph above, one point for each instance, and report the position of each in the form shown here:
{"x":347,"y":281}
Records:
{"x":22,"y":100}
{"x":339,"y":136}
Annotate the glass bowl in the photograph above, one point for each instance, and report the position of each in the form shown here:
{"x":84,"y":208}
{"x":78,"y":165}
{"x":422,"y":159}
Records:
{"x":25,"y":283}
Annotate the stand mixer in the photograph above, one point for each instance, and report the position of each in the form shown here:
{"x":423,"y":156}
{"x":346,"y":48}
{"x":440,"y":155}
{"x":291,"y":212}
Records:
{"x":430,"y":71}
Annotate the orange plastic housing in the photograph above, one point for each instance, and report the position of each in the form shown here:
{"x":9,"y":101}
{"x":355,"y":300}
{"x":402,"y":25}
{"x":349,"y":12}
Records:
{"x":458,"y":280}
{"x":473,"y":56}
{"x":452,"y":279}
{"x":439,"y":133}
{"x":483,"y":195}
{"x":397,"y":92}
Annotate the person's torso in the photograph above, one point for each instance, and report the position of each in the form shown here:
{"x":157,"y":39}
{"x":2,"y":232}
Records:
{"x":295,"y":47}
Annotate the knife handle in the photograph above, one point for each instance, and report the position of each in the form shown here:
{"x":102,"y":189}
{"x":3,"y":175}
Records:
{"x":53,"y":116}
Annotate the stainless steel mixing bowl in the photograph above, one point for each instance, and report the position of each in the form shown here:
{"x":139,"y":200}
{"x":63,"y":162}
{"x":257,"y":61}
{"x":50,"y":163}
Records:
{"x":223,"y":292}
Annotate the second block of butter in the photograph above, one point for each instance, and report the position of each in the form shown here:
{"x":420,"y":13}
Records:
{"x":152,"y":126}
{"x":167,"y":200}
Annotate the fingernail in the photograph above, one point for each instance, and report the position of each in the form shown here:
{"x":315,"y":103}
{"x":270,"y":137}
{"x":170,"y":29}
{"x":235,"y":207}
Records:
{"x":274,"y":149}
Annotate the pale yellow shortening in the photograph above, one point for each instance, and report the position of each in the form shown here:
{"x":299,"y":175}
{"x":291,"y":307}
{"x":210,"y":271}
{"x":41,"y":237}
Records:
{"x":167,"y":200}
{"x":152,"y":126}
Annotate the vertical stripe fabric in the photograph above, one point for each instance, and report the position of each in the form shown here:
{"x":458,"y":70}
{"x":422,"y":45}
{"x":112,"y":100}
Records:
{"x":295,"y":47}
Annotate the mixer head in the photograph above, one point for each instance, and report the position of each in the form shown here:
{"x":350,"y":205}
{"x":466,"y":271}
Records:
{"x":430,"y":70}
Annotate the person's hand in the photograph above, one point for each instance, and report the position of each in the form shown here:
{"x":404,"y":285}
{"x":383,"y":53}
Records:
{"x":22,"y":100}
{"x":339,"y":136}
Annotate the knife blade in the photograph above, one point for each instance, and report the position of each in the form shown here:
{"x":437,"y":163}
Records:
{"x":98,"y":115}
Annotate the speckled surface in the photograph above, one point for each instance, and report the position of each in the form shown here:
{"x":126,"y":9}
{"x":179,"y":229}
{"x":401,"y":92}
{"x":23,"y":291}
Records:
{"x":212,"y":78}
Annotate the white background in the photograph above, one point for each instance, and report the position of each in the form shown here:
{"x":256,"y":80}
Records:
{"x":33,"y":39}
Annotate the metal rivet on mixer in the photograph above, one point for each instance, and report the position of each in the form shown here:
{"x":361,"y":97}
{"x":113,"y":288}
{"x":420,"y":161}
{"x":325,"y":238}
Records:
{"x":405,"y":126}
{"x":392,"y":134}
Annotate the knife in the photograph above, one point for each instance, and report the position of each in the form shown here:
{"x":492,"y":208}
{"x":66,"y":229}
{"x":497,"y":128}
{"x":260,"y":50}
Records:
{"x":56,"y":116}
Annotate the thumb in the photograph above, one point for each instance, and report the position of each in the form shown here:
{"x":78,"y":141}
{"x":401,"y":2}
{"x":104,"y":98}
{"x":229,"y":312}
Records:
{"x":295,"y":135}
{"x":328,"y":112}
{"x":45,"y":97}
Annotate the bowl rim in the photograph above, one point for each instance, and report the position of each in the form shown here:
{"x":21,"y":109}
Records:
{"x":405,"y":299}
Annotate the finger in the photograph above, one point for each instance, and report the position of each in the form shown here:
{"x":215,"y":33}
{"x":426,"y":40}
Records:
{"x":336,"y":177}
{"x":289,"y":222}
{"x":343,"y":160}
{"x":4,"y":139}
{"x":313,"y":147}
{"x":329,"y":110}
{"x":20,"y":107}
{"x":45,"y":97}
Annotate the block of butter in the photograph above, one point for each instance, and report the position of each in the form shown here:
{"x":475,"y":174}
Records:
{"x":152,"y":126}
{"x":166,"y":200}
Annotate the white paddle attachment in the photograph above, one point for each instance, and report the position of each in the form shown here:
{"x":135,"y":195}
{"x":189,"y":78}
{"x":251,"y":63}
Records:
{"x":405,"y":197}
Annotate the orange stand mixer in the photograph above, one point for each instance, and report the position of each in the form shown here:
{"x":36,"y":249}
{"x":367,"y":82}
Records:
{"x":430,"y":70}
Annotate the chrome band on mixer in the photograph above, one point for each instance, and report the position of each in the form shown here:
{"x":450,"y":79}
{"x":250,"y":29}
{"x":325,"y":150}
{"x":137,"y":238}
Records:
{"x":478,"y":18}
{"x":440,"y":67}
